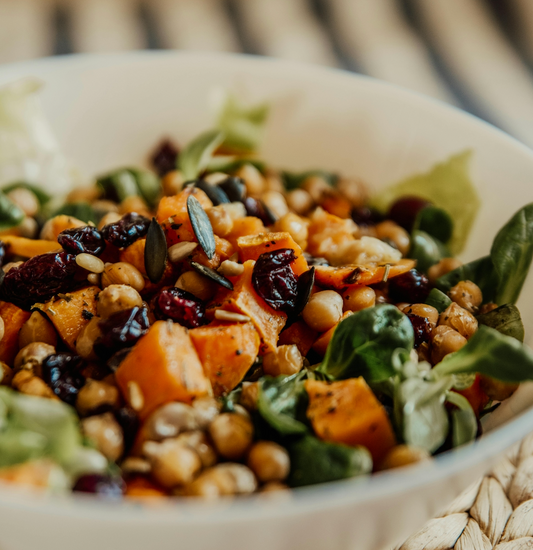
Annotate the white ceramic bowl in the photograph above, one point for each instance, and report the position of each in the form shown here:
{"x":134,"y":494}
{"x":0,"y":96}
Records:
{"x":109,"y":111}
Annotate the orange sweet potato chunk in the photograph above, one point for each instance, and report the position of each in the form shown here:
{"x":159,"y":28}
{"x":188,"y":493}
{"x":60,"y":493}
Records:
{"x":134,"y":255}
{"x":223,"y":251}
{"x":243,"y":299}
{"x":339,"y":278}
{"x":252,"y":246}
{"x":165,"y":366}
{"x":28,"y":248}
{"x":67,"y":313}
{"x":348,"y":412}
{"x":140,"y":487}
{"x":13,"y":318}
{"x":242,"y":227}
{"x":300,"y":335}
{"x":226,"y":351}
{"x":173,"y":216}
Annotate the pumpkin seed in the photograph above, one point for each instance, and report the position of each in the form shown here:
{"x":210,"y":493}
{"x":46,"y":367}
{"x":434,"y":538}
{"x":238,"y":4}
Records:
{"x":305,"y":286}
{"x":234,"y":188}
{"x":215,"y":194}
{"x":270,"y":217}
{"x":201,"y":226}
{"x":155,"y":252}
{"x":212,"y":274}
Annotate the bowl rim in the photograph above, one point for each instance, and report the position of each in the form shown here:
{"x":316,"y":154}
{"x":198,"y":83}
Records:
{"x":306,"y":499}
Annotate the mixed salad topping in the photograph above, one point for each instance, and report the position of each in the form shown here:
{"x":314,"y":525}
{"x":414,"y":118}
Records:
{"x":215,"y":326}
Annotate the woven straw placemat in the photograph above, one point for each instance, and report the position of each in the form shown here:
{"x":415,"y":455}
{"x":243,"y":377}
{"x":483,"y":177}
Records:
{"x":496,"y":512}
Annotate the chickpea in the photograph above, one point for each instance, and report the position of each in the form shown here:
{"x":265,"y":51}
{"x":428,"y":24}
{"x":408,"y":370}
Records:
{"x":354,"y":190}
{"x":94,"y":395}
{"x":223,"y":479}
{"x":122,"y":273}
{"x":110,"y":217}
{"x":26,"y":382}
{"x":83,"y":194}
{"x":172,"y":183}
{"x":444,"y":266}
{"x":6,"y":374}
{"x":276,"y":202}
{"x":317,"y":187}
{"x":423,"y":310}
{"x":170,"y":420}
{"x":358,"y":298}
{"x":393,"y":232}
{"x":468,"y":295}
{"x":37,"y":329}
{"x":294,"y":225}
{"x":106,"y":434}
{"x":323,"y":310}
{"x":197,"y":284}
{"x":221,"y":220}
{"x":28,"y":228}
{"x":25,"y":200}
{"x":31,"y":357}
{"x":133,"y":203}
{"x":253,"y":179}
{"x":274,"y":182}
{"x":115,"y":298}
{"x":403,"y":455}
{"x":173,"y":463}
{"x":206,"y":409}
{"x":198,"y":442}
{"x":269,"y":461}
{"x":249,"y":395}
{"x":230,"y":269}
{"x":462,"y":321}
{"x":285,"y":360}
{"x":445,"y":340}
{"x":236,"y":210}
{"x":232,"y":435}
{"x":299,"y":201}
{"x":495,"y":389}
{"x":274,"y":487}
{"x":87,"y":337}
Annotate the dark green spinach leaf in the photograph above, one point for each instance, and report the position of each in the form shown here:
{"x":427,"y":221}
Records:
{"x":10,"y":214}
{"x":426,"y":250}
{"x":438,"y":300}
{"x":314,"y":461}
{"x":435,"y":222}
{"x":490,"y":353}
{"x":363,"y":344}
{"x":505,"y":319}
{"x":280,"y":401}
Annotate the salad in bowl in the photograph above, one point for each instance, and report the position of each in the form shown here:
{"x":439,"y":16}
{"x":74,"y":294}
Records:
{"x":216,"y":326}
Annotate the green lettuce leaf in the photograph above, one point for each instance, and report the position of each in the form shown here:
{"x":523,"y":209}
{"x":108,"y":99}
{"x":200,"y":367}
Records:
{"x":448,"y":186}
{"x":195,"y":158}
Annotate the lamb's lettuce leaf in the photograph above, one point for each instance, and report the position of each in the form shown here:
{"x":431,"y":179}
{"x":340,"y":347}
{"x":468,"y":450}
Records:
{"x":195,"y":158}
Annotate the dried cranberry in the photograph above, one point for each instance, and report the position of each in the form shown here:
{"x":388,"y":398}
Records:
{"x":126,"y":231}
{"x":259,"y":209}
{"x":61,"y":371}
{"x":103,"y":485}
{"x":366,"y":216}
{"x":180,"y":306}
{"x":129,"y":422}
{"x":82,"y":240}
{"x":2,"y":253}
{"x":39,"y":279}
{"x":422,"y":328}
{"x":165,"y":157}
{"x":412,"y":287}
{"x":274,"y":280}
{"x":405,"y":210}
{"x":121,"y":330}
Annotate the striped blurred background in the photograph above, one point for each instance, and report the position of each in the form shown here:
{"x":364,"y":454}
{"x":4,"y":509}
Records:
{"x":477,"y":54}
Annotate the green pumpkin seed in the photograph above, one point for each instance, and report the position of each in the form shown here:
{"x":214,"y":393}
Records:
{"x":215,"y":276}
{"x":155,"y":252}
{"x":201,"y":226}
{"x":305,"y":286}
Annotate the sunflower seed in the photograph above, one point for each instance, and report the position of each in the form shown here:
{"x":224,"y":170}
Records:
{"x":155,"y":252}
{"x":234,"y":188}
{"x":215,"y":193}
{"x":230,"y":269}
{"x":212,"y":274}
{"x":180,"y":251}
{"x":305,"y":286}
{"x":201,"y":226}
